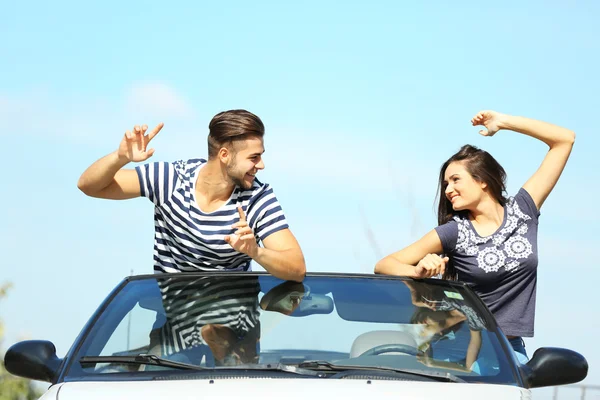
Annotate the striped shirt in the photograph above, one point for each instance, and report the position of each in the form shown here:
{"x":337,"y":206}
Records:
{"x":189,"y":239}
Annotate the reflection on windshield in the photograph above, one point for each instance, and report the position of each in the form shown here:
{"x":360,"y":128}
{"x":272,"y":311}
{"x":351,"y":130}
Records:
{"x":284,"y":298}
{"x":208,"y":313}
{"x":220,"y":321}
{"x":216,"y":314}
{"x":442,"y":316}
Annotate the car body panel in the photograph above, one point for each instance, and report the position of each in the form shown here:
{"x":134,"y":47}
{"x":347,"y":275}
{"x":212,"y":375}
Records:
{"x":289,"y":389}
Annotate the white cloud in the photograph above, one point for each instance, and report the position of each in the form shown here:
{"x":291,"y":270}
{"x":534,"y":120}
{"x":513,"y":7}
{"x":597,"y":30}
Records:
{"x":157,"y":99}
{"x":348,"y":162}
{"x":90,"y":119}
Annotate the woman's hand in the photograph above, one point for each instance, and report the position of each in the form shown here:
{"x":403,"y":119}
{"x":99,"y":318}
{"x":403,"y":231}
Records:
{"x":492,"y":120}
{"x":431,"y":265}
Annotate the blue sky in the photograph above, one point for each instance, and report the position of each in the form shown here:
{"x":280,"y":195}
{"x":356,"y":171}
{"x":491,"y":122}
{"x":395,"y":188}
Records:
{"x":362,"y":102}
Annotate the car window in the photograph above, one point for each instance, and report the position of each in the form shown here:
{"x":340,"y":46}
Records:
{"x":131,"y":335}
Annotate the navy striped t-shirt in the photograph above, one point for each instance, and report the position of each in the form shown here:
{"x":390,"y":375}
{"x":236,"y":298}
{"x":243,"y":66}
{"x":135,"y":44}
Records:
{"x":189,"y":239}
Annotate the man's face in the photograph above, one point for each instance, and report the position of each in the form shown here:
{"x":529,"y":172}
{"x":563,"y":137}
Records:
{"x":246,"y":161}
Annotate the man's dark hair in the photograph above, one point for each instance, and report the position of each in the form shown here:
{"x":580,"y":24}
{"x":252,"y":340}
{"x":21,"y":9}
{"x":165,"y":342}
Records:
{"x":229,"y":126}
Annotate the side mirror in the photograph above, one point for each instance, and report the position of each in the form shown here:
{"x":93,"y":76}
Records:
{"x":33,"y":359}
{"x":551,"y":366}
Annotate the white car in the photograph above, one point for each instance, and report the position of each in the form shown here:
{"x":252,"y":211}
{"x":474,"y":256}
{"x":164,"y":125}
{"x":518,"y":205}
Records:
{"x":252,"y":336}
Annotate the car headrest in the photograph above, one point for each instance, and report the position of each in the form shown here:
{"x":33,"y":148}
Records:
{"x":372,"y":339}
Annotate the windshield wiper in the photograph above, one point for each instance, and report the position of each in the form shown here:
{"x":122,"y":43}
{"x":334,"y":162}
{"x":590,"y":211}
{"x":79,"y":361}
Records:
{"x":147,"y":359}
{"x":293,"y":369}
{"x":327,"y":366}
{"x":150,"y":359}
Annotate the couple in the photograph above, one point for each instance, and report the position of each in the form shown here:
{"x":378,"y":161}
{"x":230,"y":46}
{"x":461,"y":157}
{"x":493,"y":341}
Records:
{"x":211,"y":214}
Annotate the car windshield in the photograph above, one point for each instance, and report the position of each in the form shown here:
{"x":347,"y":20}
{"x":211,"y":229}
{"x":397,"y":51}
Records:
{"x":327,"y":323}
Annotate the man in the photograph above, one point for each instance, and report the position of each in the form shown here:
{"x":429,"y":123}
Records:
{"x":209,"y":215}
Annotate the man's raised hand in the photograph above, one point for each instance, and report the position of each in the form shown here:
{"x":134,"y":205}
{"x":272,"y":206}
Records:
{"x":134,"y":145}
{"x":243,"y":239}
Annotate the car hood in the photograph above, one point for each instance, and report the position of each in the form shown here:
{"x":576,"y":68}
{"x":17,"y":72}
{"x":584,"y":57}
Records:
{"x":288,"y":389}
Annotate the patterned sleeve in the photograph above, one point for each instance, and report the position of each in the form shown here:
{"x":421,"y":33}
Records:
{"x":448,"y":234}
{"x":526,"y":204}
{"x":266,"y":216}
{"x":157,"y":181}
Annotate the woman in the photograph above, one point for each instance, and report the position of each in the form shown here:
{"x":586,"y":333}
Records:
{"x":487,"y":240}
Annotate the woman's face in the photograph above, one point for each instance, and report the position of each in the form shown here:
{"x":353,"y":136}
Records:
{"x":462,"y":190}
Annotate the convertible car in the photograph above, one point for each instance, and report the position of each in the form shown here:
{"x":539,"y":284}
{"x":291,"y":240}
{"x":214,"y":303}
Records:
{"x":253,"y":336}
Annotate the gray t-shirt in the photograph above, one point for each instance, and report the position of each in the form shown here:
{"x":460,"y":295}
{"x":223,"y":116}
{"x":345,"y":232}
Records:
{"x":500,"y":268}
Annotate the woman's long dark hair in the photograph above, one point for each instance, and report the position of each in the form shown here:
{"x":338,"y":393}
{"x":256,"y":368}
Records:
{"x":483,"y":168}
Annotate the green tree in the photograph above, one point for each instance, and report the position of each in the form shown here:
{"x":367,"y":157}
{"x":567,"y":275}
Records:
{"x":12,"y":387}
